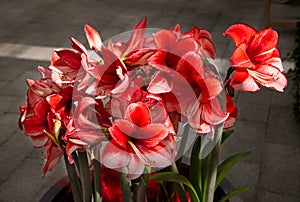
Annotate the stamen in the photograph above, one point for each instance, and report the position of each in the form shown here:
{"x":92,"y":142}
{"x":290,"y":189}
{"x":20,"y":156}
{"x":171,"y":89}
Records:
{"x":139,"y":154}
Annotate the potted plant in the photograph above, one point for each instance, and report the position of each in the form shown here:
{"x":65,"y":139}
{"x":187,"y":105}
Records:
{"x":123,"y":114}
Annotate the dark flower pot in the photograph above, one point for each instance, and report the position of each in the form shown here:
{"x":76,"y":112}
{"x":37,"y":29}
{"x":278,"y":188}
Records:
{"x":61,"y":191}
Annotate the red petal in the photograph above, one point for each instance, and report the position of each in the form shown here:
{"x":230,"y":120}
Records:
{"x":113,"y":157}
{"x":93,"y":38}
{"x":208,"y":46}
{"x":54,"y":100}
{"x":71,"y":58}
{"x":242,"y":81}
{"x":275,"y":60}
{"x":212,"y":112}
{"x":125,"y":126}
{"x":240,"y":33}
{"x":139,"y":58}
{"x":240,"y":57}
{"x":78,"y":46}
{"x":33,"y":126}
{"x":232,"y":110}
{"x":41,"y":109}
{"x":158,"y":60}
{"x":151,"y":135}
{"x":263,"y":42}
{"x":165,"y":39}
{"x":53,"y":156}
{"x":121,"y":131}
{"x":184,"y":46}
{"x":161,"y":83}
{"x":270,"y":77}
{"x":139,"y":114}
{"x":39,"y":140}
{"x":176,"y":28}
{"x":162,"y":155}
{"x":136,"y":39}
{"x":135,"y":167}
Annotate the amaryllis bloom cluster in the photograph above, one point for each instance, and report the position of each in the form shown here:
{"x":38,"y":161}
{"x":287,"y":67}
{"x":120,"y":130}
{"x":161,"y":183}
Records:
{"x":124,"y":102}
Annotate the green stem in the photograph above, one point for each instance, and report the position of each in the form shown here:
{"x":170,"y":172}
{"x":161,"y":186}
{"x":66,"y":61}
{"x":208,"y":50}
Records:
{"x":183,"y":143}
{"x":196,"y":167}
{"x":125,"y":184}
{"x":85,"y":176}
{"x":97,"y":181}
{"x":213,"y":165}
{"x":74,"y":180}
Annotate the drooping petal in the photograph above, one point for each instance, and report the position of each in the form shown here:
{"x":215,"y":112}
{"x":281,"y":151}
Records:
{"x":135,"y":167}
{"x":270,"y":77}
{"x":53,"y":156}
{"x":93,"y":38}
{"x":114,"y":157}
{"x":273,"y":60}
{"x":240,"y":33}
{"x":162,"y":155}
{"x":241,"y":80}
{"x":39,"y":140}
{"x":139,"y":114}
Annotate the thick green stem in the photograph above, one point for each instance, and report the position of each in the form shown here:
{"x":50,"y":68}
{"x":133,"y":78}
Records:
{"x":196,"y":167}
{"x":97,"y":181}
{"x":74,"y":180}
{"x":183,"y":143}
{"x":125,"y":184}
{"x":213,"y":165}
{"x":85,"y":176}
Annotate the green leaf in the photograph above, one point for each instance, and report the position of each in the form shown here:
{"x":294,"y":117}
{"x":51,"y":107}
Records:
{"x":196,"y":167}
{"x":174,"y":177}
{"x":233,"y":193}
{"x":225,"y":135}
{"x":226,"y":165}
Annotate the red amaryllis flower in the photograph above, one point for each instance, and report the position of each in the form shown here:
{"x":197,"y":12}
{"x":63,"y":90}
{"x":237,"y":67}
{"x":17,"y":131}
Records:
{"x":133,"y":52}
{"x":44,"y":115}
{"x":170,"y":48}
{"x":194,"y":94}
{"x":256,"y":59}
{"x":137,"y":141}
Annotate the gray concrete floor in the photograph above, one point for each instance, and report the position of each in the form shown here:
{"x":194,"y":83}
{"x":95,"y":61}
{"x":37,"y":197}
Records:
{"x":266,"y":125}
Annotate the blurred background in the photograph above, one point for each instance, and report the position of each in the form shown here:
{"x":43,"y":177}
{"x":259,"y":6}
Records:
{"x":266,"y":125}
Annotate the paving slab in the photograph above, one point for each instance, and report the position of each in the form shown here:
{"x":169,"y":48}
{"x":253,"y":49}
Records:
{"x":271,"y":197}
{"x":278,"y":173}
